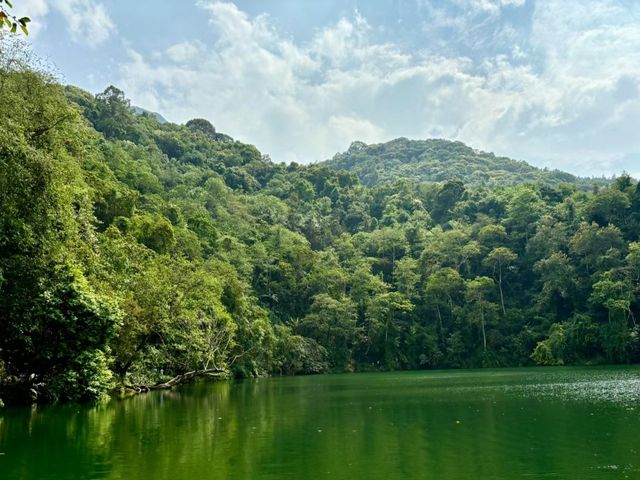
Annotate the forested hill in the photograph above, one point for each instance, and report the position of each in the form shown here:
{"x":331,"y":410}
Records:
{"x":436,"y":160}
{"x":132,"y":251}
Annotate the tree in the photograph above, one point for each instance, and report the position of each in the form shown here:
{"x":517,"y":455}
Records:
{"x":598,"y":247}
{"x":406,"y":276}
{"x":295,"y":354}
{"x":551,"y":350}
{"x":499,"y":259}
{"x":135,"y":251}
{"x":450,"y":193}
{"x":551,"y":236}
{"x":633,"y":222}
{"x":201,"y":125}
{"x":608,"y":206}
{"x":384,"y":317}
{"x":155,"y":232}
{"x":633,"y":262}
{"x":175,"y":318}
{"x":332,"y":323}
{"x":557,"y":276}
{"x":112,"y":114}
{"x":52,"y":316}
{"x":477,"y":293}
{"x":613,"y":294}
{"x":327,"y":276}
{"x":441,"y":288}
{"x":469,"y":255}
{"x":53,"y":338}
{"x":448,"y":248}
{"x":492,"y":236}
{"x":363,"y":287}
{"x":388,"y":244}
{"x":524,"y":209}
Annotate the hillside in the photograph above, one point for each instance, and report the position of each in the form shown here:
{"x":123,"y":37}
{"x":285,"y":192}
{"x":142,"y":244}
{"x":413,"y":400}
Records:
{"x":132,"y":251}
{"x":141,"y":111}
{"x":436,"y":160}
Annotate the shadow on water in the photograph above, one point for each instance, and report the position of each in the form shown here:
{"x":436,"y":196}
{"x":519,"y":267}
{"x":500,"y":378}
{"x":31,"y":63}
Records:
{"x":489,"y":424}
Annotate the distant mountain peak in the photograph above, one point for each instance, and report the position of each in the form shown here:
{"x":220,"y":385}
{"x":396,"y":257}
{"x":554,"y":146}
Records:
{"x":139,"y":111}
{"x":437,"y":160}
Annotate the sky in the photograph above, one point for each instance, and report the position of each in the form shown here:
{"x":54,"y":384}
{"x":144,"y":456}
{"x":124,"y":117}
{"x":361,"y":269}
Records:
{"x":552,"y":82}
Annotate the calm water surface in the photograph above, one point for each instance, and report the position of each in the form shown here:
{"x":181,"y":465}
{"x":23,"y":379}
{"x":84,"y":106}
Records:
{"x":557,"y":423}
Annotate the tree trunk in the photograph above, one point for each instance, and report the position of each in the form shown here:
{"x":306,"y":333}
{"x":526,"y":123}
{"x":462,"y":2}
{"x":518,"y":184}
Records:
{"x":504,"y":312}
{"x":440,"y":318}
{"x":393,"y":258}
{"x":441,"y":324}
{"x":484,"y":334}
{"x":209,"y":372}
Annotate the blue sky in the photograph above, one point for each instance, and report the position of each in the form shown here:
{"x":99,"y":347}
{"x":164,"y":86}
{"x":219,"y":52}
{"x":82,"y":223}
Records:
{"x":553,"y":82}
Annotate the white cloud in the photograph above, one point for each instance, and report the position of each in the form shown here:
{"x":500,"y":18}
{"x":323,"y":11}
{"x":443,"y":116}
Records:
{"x":490,"y":6}
{"x":36,"y":10}
{"x":185,"y":51}
{"x":349,"y":128}
{"x":567,"y":97}
{"x":31,"y":7}
{"x":588,"y":85}
{"x":88,"y":21}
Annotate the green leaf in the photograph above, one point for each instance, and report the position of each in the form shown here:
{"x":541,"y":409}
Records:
{"x":14,"y":27}
{"x":24,"y":30}
{"x":24,"y":20}
{"x":8,"y":3}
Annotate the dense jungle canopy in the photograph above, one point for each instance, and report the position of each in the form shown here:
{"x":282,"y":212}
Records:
{"x":132,"y":251}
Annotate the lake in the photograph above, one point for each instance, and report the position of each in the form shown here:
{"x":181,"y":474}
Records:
{"x":538,"y":423}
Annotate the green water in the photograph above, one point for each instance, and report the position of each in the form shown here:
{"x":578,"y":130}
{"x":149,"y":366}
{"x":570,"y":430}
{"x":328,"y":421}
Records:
{"x":556,"y":423}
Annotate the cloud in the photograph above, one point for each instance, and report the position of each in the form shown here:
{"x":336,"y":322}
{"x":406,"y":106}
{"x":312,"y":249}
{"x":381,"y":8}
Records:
{"x":36,"y":10}
{"x":185,"y":51}
{"x":32,"y":8}
{"x":562,"y":93}
{"x":350,"y":128}
{"x":489,"y":6}
{"x":588,"y":81}
{"x":88,"y":21}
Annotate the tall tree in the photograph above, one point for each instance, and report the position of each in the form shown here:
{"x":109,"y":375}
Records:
{"x":477,"y":294}
{"x":386,"y":325}
{"x":499,"y":259}
{"x":332,"y":323}
{"x":441,"y":288}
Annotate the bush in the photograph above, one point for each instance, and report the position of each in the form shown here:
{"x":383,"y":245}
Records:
{"x":551,"y":351}
{"x":298,"y":355}
{"x":87,"y":379}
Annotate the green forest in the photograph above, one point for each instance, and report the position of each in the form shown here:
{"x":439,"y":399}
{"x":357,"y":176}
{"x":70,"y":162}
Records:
{"x":437,"y":160}
{"x":132,"y":251}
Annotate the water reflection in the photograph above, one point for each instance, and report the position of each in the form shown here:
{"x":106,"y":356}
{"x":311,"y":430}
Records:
{"x":504,"y":424}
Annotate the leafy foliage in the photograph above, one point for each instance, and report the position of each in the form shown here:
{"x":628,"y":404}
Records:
{"x":11,"y":21}
{"x":436,"y":160}
{"x":132,"y":251}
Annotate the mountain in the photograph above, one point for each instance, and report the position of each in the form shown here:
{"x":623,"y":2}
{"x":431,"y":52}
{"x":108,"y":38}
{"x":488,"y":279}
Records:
{"x":437,"y":160}
{"x":134,"y":251}
{"x":156,"y":115}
